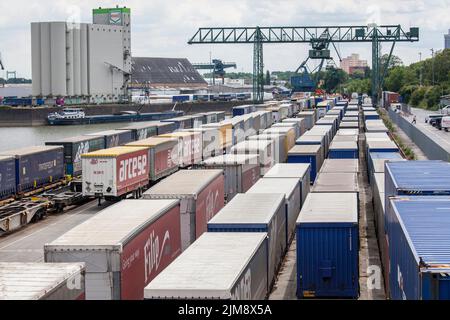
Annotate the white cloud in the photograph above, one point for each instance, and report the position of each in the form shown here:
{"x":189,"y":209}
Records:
{"x":163,"y":27}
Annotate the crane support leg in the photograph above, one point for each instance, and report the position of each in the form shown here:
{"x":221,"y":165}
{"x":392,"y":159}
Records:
{"x":258,"y":69}
{"x":375,"y":67}
{"x":386,"y":66}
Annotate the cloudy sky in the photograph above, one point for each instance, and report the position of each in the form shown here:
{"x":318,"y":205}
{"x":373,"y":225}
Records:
{"x":161,"y":28}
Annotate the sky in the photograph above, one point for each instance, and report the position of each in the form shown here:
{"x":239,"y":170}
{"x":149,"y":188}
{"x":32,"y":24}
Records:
{"x":161,"y":28}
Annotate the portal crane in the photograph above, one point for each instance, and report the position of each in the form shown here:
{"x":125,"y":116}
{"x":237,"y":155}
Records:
{"x":319,"y":37}
{"x":217,"y":66}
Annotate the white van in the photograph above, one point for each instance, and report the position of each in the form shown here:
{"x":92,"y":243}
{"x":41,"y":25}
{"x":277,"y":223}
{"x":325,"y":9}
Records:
{"x":445,"y":124}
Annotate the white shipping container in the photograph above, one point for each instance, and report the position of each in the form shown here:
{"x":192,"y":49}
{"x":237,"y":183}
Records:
{"x":189,"y":146}
{"x":289,"y":132}
{"x":201,"y":195}
{"x":256,"y":213}
{"x":340,"y":165}
{"x":115,"y":172}
{"x":42,"y":281}
{"x":300,"y":122}
{"x":300,"y":171}
{"x":265,"y":150}
{"x":211,"y":141}
{"x":347,"y":132}
{"x":216,"y":266}
{"x":336,"y":182}
{"x":289,"y":125}
{"x":279,"y":141}
{"x":241,"y":171}
{"x":290,"y":187}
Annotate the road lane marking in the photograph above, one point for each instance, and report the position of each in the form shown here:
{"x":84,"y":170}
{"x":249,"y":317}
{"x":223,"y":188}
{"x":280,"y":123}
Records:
{"x":75,"y":214}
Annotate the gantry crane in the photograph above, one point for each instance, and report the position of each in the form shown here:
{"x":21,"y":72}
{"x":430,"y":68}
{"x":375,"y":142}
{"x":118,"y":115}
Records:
{"x":217,"y":66}
{"x":319,"y":37}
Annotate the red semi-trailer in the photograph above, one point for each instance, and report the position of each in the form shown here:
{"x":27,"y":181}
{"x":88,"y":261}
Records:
{"x":201,"y":194}
{"x":115,"y":172}
{"x":124,"y":247}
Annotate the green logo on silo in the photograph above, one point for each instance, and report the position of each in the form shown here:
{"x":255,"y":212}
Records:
{"x":115,"y":17}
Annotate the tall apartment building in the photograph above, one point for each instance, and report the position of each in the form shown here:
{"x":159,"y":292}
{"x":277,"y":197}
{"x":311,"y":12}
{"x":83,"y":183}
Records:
{"x":447,"y":40}
{"x":352,"y":63}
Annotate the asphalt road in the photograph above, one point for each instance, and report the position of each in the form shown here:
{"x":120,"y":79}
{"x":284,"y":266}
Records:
{"x":27,"y":244}
{"x":440,"y":136}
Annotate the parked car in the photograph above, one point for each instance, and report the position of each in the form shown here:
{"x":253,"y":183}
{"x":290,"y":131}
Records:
{"x":445,"y":123}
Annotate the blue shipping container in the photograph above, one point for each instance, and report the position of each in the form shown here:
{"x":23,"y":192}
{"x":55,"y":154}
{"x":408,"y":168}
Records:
{"x":419,"y":178}
{"x":74,"y":147}
{"x":311,"y":154}
{"x":256,"y":213}
{"x":328,"y":246}
{"x":181,"y":122}
{"x":343,"y":154}
{"x":37,"y":166}
{"x":114,"y":138}
{"x":240,"y":110}
{"x":380,"y":155}
{"x":419,"y":251}
{"x":343,"y":150}
{"x":7,"y":176}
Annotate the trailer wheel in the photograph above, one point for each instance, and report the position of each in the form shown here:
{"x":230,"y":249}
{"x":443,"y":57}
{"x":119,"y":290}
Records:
{"x":39,"y":215}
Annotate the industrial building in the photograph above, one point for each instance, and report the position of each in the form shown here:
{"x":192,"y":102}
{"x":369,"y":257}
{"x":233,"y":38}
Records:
{"x":82,"y":62}
{"x":165,"y":74}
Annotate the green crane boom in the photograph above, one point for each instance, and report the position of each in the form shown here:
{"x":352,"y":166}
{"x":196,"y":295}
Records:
{"x":317,"y":36}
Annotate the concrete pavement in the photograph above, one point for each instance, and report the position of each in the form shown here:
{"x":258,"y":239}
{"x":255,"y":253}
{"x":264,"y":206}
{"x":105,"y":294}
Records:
{"x":440,"y":136}
{"x":27,"y":244}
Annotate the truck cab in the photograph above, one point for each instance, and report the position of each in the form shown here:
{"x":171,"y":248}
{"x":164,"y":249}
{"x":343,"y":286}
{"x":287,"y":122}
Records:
{"x":445,"y":111}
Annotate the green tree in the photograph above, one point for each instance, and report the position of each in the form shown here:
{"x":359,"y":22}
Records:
{"x":333,"y":79}
{"x":395,"y":61}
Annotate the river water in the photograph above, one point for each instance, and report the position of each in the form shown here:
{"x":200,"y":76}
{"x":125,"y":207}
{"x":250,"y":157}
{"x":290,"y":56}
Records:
{"x":18,"y":137}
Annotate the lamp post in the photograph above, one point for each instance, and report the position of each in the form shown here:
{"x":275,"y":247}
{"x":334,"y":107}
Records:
{"x":420,"y":61}
{"x":432,"y":66}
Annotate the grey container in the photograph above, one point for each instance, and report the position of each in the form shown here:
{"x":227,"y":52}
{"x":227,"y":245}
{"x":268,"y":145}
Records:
{"x":349,"y":125}
{"x":340,"y":165}
{"x":114,"y":138}
{"x":74,"y":147}
{"x":326,"y":131}
{"x":217,"y":266}
{"x":347,"y":132}
{"x":290,"y":187}
{"x":279,"y":141}
{"x":289,"y":125}
{"x":201,"y":195}
{"x":310,"y":118}
{"x":309,"y":139}
{"x":256,"y":213}
{"x":147,"y":129}
{"x":300,"y":171}
{"x":300,"y":122}
{"x":265,"y":149}
{"x":346,"y":138}
{"x":42,"y":281}
{"x":241,"y":171}
{"x":377,"y":185}
{"x":336,"y":182}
